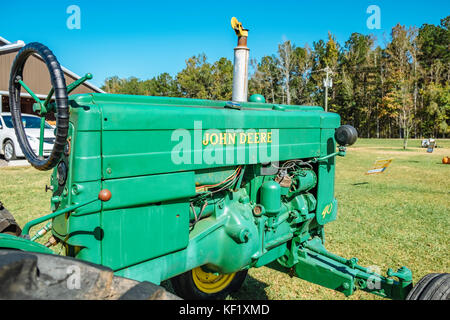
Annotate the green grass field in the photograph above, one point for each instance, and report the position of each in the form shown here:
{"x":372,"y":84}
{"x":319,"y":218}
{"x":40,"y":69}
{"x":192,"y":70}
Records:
{"x":392,"y":219}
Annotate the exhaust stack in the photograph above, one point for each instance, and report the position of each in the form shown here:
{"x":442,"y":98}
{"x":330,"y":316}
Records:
{"x":241,"y":54}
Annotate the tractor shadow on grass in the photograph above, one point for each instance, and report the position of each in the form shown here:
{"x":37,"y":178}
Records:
{"x":359,"y":183}
{"x":252,"y":289}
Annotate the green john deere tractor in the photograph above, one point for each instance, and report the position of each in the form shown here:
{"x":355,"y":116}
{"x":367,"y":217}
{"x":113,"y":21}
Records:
{"x":195,"y":191}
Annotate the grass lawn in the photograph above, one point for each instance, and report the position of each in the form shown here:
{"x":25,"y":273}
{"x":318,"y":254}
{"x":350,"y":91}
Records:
{"x":392,"y":219}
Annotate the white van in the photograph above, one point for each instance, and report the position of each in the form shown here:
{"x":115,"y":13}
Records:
{"x":9,"y":146}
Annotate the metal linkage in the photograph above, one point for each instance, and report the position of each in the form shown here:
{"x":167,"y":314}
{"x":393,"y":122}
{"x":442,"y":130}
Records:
{"x":42,"y":231}
{"x":312,"y":262}
{"x":340,"y":153}
{"x":44,"y":107}
{"x":104,"y":196}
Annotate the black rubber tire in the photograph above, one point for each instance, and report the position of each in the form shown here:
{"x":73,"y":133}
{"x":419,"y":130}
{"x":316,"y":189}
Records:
{"x":13,"y":157}
{"x":62,"y":105}
{"x":434,"y":286}
{"x":40,"y":276}
{"x":8,"y":224}
{"x":185,"y":287}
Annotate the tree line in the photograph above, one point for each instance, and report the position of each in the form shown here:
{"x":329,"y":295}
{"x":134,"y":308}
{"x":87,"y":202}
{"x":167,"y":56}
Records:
{"x":399,"y":91}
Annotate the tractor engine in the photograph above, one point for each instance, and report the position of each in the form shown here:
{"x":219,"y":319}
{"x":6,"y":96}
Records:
{"x":235,"y":186}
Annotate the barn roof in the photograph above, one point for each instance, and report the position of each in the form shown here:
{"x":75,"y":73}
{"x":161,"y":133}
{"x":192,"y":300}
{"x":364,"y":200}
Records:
{"x":8,"y":47}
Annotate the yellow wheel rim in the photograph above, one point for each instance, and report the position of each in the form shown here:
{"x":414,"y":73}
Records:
{"x":210,"y":282}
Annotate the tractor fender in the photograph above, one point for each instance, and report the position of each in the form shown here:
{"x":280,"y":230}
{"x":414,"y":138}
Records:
{"x":8,"y":241}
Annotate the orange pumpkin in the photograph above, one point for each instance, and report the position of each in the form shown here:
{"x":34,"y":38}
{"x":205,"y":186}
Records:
{"x":446,"y":160}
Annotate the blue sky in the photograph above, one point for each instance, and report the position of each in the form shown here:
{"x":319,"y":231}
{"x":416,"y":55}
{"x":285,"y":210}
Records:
{"x":145,"y":38}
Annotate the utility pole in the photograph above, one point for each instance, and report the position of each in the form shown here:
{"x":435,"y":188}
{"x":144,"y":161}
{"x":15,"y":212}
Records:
{"x":328,"y":83}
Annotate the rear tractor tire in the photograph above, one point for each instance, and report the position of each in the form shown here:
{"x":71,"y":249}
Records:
{"x":39,"y":276}
{"x":434,"y":286}
{"x":199,"y":284}
{"x":7,"y":222}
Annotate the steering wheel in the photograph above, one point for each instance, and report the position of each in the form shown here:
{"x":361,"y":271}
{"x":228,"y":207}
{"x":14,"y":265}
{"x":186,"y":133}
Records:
{"x":60,"y":108}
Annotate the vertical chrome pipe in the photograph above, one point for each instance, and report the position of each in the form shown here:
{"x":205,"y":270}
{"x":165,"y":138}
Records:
{"x":240,"y":71}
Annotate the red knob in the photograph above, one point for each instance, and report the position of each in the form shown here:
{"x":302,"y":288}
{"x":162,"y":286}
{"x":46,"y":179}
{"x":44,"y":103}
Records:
{"x":104,"y":195}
